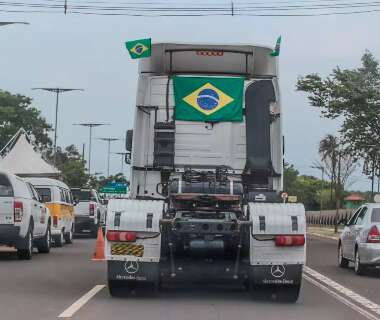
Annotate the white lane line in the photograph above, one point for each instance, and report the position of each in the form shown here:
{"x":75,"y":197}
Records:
{"x":340,"y":298}
{"x":357,"y":298}
{"x":69,"y":312}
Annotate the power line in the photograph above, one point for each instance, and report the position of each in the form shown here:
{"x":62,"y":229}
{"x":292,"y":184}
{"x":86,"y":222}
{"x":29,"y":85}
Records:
{"x":175,"y":9}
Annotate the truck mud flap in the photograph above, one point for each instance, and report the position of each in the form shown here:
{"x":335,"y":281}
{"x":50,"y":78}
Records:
{"x":133,"y":271}
{"x":280,"y":274}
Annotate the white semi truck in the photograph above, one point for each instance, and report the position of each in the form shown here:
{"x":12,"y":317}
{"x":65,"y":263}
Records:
{"x":206,"y":156}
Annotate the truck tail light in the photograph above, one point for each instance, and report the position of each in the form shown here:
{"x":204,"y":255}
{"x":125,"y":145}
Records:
{"x":92,"y":209}
{"x":121,"y":236}
{"x":373,"y":235}
{"x":55,"y":221}
{"x":18,"y":211}
{"x":290,"y":240}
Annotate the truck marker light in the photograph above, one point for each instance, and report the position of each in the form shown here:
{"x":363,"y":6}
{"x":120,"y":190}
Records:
{"x":18,"y":209}
{"x":121,"y":236}
{"x":289,"y":240}
{"x":373,"y":235}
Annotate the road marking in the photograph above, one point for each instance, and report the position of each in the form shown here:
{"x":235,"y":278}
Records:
{"x":69,"y":312}
{"x":340,"y":298}
{"x":342,"y":291}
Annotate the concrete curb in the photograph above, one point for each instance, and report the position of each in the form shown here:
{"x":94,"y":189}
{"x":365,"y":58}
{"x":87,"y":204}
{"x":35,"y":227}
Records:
{"x":323,"y":236}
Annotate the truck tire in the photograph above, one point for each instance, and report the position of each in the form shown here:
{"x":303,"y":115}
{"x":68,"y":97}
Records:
{"x":287,"y":294}
{"x":58,"y":240}
{"x":68,"y":236}
{"x":27,"y":252}
{"x":44,"y":244}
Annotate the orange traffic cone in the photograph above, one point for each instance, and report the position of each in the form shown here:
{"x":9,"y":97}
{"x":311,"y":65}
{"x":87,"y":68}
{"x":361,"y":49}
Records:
{"x":99,"y":249}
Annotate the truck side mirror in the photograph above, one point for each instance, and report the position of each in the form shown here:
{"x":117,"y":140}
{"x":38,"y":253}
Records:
{"x":128,"y":140}
{"x":128,"y":158}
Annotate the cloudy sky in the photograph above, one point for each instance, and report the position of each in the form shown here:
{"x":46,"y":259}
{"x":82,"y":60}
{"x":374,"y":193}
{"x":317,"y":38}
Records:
{"x":88,"y":52}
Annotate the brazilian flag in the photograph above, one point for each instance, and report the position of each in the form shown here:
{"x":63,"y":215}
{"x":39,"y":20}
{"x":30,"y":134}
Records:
{"x":139,"y":48}
{"x":210,"y":99}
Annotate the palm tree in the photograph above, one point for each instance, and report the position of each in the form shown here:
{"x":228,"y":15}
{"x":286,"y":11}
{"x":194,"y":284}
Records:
{"x":329,"y":152}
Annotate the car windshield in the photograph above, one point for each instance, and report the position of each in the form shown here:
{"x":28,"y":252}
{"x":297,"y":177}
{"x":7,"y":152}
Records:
{"x":375,"y":215}
{"x":81,"y":195}
{"x":5,"y":186}
{"x":45,"y":194}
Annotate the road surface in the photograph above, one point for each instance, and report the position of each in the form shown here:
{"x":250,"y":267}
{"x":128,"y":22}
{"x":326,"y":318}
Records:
{"x":66,"y":283}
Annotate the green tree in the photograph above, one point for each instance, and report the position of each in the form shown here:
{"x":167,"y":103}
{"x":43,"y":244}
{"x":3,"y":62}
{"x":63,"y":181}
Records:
{"x":353,"y":96}
{"x":16,"y":112}
{"x":72,"y":166}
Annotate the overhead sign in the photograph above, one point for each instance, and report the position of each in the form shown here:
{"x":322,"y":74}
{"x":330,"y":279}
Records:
{"x":115,"y":187}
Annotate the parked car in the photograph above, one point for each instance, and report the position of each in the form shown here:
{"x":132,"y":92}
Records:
{"x":58,"y":198}
{"x":25,"y":221}
{"x":360,"y":240}
{"x":89,"y":211}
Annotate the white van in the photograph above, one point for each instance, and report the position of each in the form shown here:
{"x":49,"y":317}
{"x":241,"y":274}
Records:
{"x":58,"y":198}
{"x":24,"y":221}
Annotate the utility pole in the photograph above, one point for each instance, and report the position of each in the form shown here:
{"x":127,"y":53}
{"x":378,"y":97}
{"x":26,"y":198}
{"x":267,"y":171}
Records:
{"x":321,"y":196}
{"x":90,"y":125}
{"x":57,"y":91}
{"x":109,"y":140}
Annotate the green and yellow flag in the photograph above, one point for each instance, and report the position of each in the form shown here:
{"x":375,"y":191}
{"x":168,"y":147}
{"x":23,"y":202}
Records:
{"x":208,"y":98}
{"x":139,"y":48}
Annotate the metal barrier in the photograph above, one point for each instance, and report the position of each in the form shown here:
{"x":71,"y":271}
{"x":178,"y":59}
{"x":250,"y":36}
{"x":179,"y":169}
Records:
{"x":327,"y":218}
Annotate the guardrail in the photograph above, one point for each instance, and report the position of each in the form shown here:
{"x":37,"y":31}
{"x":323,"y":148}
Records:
{"x":327,"y":218}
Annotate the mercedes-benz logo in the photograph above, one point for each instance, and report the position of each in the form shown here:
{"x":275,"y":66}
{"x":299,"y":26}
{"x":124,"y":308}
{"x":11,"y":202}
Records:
{"x":278,"y":270}
{"x":131,"y":267}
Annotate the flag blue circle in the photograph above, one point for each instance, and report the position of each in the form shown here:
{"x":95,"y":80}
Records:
{"x":139,"y":48}
{"x":208,"y":99}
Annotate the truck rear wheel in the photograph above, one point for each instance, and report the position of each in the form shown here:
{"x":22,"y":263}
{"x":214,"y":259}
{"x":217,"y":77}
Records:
{"x":43,"y":245}
{"x":27,"y":252}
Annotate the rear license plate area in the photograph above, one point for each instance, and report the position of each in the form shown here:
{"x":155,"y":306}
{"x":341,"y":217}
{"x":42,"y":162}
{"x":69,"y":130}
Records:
{"x":128,"y":249}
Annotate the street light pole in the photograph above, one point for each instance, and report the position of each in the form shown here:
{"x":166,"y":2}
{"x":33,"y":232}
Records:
{"x":109,"y":140}
{"x":122,"y":159}
{"x":90,"y":125}
{"x":57,"y":91}
{"x":5,"y":23}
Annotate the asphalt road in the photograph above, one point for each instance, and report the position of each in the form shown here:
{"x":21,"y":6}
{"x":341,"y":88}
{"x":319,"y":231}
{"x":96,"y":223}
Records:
{"x":49,"y":284}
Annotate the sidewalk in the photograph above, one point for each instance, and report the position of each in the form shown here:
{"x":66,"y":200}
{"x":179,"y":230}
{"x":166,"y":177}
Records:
{"x":327,"y":233}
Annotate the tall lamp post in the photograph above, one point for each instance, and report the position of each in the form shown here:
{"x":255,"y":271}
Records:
{"x":57,"y":91}
{"x":122,"y":154}
{"x":90,"y":125}
{"x":5,"y":23}
{"x":109,"y":140}
{"x":321,"y":197}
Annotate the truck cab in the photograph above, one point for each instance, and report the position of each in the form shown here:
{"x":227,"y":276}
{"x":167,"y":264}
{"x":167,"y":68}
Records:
{"x":206,"y":176}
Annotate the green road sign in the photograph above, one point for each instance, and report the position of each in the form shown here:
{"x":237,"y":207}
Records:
{"x":117,"y":188}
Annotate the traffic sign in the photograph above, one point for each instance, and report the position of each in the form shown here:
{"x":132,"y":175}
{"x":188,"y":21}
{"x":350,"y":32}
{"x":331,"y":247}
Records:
{"x":115,"y":187}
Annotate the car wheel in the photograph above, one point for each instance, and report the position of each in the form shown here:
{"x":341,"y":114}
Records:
{"x":359,"y":267}
{"x":342,"y":261}
{"x":69,"y":236}
{"x":58,"y":240}
{"x":26,"y":253}
{"x":44,"y":244}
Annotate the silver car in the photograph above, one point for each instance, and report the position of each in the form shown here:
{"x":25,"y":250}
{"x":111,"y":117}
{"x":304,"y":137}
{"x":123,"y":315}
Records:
{"x":360,"y":239}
